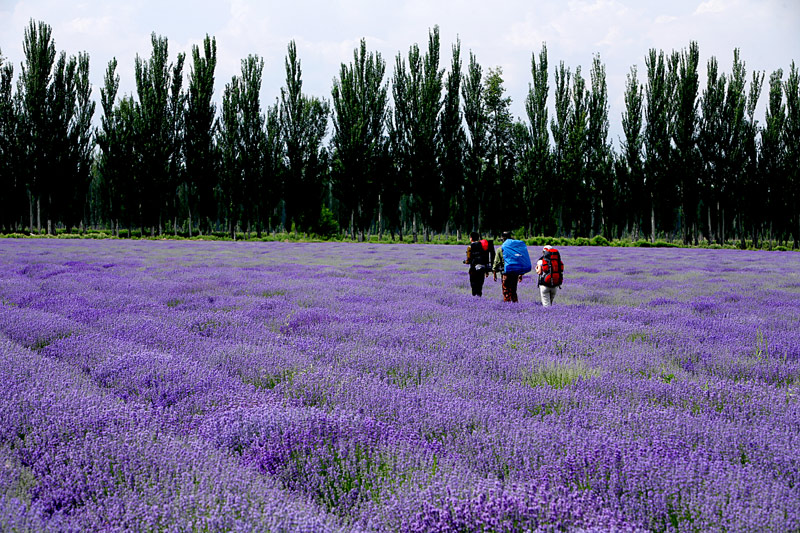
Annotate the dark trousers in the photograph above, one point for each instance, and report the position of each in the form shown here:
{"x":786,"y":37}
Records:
{"x":476,"y":279}
{"x":510,"y":287}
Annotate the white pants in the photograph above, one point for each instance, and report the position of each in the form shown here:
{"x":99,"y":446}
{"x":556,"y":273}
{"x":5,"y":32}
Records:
{"x":548,"y":295}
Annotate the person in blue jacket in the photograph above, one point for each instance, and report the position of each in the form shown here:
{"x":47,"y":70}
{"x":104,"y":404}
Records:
{"x":513,"y":261}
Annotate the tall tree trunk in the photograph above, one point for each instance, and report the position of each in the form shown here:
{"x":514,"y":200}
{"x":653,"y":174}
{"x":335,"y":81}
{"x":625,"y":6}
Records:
{"x":30,"y":207}
{"x":652,"y":220}
{"x":710,"y":227}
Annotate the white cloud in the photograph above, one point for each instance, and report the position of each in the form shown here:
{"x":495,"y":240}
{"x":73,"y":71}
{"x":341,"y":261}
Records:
{"x":712,"y":6}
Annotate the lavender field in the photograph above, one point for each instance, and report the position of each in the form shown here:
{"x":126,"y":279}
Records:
{"x":185,"y":385}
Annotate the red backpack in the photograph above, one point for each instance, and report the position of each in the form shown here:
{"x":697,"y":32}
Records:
{"x":552,"y":269}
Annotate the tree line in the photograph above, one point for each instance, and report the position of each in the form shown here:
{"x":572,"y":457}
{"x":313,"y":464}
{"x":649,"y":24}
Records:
{"x":427,"y":149}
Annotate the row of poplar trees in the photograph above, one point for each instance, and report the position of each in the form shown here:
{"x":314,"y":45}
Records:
{"x":429,"y":150}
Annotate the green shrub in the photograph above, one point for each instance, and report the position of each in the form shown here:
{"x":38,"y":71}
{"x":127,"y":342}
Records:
{"x":664,"y":244}
{"x":327,"y":225}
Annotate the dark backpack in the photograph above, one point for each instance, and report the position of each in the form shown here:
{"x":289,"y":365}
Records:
{"x":515,"y":257}
{"x":482,"y":254}
{"x":552,"y":269}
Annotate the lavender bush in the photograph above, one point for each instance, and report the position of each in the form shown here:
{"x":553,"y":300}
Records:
{"x":323,"y":387}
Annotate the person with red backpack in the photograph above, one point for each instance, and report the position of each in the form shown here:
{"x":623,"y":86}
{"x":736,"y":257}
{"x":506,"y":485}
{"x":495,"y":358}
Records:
{"x":550,"y":269}
{"x":514,"y":262}
{"x":480,"y":256}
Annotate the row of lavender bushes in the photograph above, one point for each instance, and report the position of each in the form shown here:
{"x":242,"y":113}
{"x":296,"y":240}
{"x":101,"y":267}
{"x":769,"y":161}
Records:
{"x":184,"y":385}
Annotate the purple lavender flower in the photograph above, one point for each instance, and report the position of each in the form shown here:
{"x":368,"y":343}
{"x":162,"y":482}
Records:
{"x":152,"y":385}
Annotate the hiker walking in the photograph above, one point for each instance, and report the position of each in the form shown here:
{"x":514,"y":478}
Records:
{"x":550,"y":269}
{"x":480,"y":255}
{"x":513,"y":261}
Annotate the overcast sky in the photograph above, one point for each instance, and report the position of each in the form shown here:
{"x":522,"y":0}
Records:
{"x":500,"y":33}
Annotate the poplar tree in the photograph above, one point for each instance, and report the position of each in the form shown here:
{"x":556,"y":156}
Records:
{"x":451,"y":208}
{"x":577,"y":201}
{"x":560,"y":128}
{"x":33,"y":90}
{"x":657,"y":139}
{"x":476,"y":144}
{"x":599,"y":181}
{"x":110,"y":161}
{"x":13,"y":191}
{"x":199,"y":149}
{"x":633,"y":186}
{"x":749,"y":212}
{"x":274,"y":167}
{"x":229,"y":143}
{"x":792,"y":142}
{"x":252,"y":139}
{"x":772,"y":169}
{"x":732,"y":145}
{"x":242,"y":142}
{"x":81,"y":139}
{"x":686,"y":162}
{"x":503,"y":199}
{"x":303,"y":126}
{"x":538,"y":165}
{"x":360,"y":99}
{"x":711,"y":143}
{"x":158,"y":86}
{"x":414,"y":129}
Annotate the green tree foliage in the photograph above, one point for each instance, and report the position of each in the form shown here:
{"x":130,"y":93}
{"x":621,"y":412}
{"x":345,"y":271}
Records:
{"x":733,"y":145}
{"x":119,"y":159}
{"x":774,"y":185}
{"x":228,"y":143}
{"x":242,"y":140}
{"x":303,"y":125}
{"x":661,"y":81}
{"x":723,"y":146}
{"x":686,"y":162}
{"x":12,"y":196}
{"x":446,"y":156}
{"x":360,"y":105}
{"x":34,"y":92}
{"x":414,"y":129}
{"x":749,"y":212}
{"x":792,"y":143}
{"x":578,"y":194}
{"x":711,"y":143}
{"x":160,"y":106}
{"x":252,"y":138}
{"x":199,"y":149}
{"x":560,"y":128}
{"x":599,"y":158}
{"x":76,"y":131}
{"x":450,"y":211}
{"x":476,"y":188}
{"x":630,"y":173}
{"x":55,"y":137}
{"x":535,"y":167}
{"x":274,"y":167}
{"x":569,"y":127}
{"x":503,"y":206}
